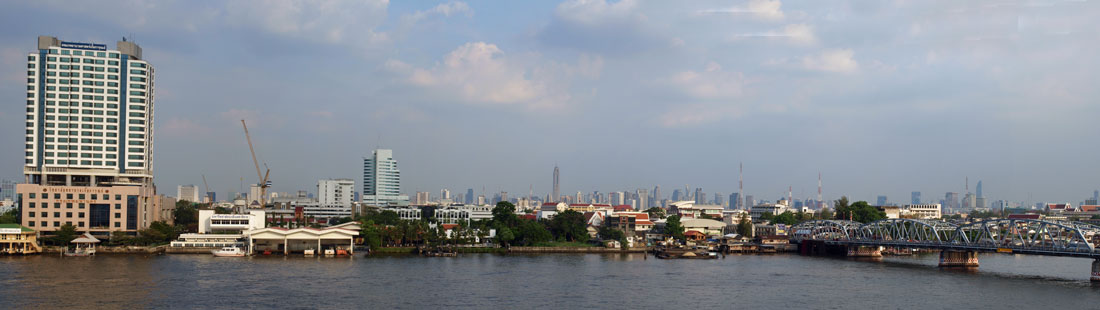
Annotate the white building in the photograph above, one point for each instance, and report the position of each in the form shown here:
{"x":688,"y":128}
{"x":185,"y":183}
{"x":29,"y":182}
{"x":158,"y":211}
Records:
{"x":463,"y":213}
{"x":210,"y":222}
{"x":335,"y":192}
{"x":382,"y":180}
{"x":923,"y":211}
{"x":89,"y":120}
{"x":773,"y":208}
{"x":188,"y":192}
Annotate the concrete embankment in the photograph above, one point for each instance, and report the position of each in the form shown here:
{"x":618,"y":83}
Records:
{"x":540,"y":249}
{"x":113,"y":249}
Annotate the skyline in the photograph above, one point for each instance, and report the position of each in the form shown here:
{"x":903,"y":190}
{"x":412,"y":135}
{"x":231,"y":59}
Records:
{"x":927,"y":104}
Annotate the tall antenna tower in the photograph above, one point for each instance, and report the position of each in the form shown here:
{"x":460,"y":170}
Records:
{"x":741,"y":185}
{"x":790,"y":195}
{"x":820,"y":203}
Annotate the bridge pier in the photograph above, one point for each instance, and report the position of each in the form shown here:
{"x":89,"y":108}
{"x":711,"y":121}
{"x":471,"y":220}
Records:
{"x":864,"y":251}
{"x":1095,"y":271}
{"x":964,"y":259}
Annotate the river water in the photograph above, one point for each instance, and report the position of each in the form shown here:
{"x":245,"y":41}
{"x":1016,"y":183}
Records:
{"x":564,"y":281}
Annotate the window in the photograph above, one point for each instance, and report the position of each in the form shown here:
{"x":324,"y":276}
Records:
{"x":118,"y":215}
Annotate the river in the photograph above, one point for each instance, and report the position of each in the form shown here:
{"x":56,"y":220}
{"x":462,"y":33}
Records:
{"x":564,"y":281}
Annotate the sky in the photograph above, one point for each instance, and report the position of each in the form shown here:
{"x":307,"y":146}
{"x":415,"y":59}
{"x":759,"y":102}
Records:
{"x":880,"y":97}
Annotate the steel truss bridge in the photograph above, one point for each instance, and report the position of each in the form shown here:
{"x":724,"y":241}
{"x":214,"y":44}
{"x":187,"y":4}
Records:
{"x":1021,"y":236}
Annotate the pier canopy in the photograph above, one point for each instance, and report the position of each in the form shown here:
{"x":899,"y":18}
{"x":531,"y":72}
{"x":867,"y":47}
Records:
{"x":277,"y":239}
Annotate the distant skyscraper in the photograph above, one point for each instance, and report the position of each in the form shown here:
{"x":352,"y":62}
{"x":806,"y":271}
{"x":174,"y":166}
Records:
{"x":382,"y":179}
{"x":556,"y":195}
{"x":1096,"y":195}
{"x":7,"y":190}
{"x":719,"y":199}
{"x":735,"y":201}
{"x":656,"y":196}
{"x":881,"y":201}
{"x":916,"y":198}
{"x":643,"y":198}
{"x":700,"y":197}
{"x":676,"y":195}
{"x":445,"y":194}
{"x":470,"y":196}
{"x":951,"y":201}
{"x":978,"y":189}
{"x":749,"y":201}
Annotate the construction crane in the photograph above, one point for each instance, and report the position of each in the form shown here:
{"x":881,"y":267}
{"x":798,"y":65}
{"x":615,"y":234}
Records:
{"x":261,"y":175}
{"x":207,"y":186}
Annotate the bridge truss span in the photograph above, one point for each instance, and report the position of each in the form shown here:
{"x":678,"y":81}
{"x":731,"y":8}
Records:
{"x":907,"y":231}
{"x":1030,"y":236}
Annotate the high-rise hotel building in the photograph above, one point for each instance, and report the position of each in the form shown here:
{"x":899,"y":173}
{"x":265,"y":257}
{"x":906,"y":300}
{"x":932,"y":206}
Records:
{"x":382,"y":180}
{"x":89,"y":146}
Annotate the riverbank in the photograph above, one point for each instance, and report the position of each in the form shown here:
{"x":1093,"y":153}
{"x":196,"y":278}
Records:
{"x":160,"y":249}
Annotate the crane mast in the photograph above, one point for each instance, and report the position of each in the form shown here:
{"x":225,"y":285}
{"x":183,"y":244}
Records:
{"x":262,"y":176}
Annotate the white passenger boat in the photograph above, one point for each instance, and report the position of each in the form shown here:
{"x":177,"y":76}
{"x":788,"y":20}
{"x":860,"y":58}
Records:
{"x":330,"y":252}
{"x":229,"y":252}
{"x":309,"y":252}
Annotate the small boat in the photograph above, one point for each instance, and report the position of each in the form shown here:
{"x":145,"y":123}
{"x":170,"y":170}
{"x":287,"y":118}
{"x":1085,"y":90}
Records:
{"x":341,"y":252}
{"x":330,"y":252}
{"x":228,"y":252}
{"x":308,"y":252}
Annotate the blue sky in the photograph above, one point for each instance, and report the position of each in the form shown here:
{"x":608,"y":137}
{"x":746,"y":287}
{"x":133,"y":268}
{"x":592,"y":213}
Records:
{"x":882,"y":97}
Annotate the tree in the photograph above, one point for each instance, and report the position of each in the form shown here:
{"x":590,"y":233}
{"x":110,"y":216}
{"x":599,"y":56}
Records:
{"x":860,"y":211}
{"x":656,"y":213}
{"x":388,"y":217}
{"x":186,"y":214}
{"x":767,"y":216}
{"x":786,"y":218}
{"x":504,"y":213}
{"x":10,"y":217}
{"x":673,"y":227}
{"x":609,"y":233}
{"x":744,"y":226}
{"x":531,"y":232}
{"x":825,"y":214}
{"x":569,"y":226}
{"x":504,"y":236}
{"x":64,"y":235}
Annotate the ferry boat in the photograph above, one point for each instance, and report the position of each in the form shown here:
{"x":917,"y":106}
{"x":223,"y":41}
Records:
{"x":228,"y":252}
{"x":309,"y":252}
{"x":330,"y":252}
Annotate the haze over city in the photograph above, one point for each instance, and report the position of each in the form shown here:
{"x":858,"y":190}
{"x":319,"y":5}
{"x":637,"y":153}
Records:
{"x":882,"y":98}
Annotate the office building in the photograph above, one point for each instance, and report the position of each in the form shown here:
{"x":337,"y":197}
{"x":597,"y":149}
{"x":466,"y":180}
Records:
{"x":470,"y":196}
{"x":951,"y":201}
{"x":188,"y":192}
{"x":656,"y":200}
{"x":556,"y":195}
{"x":700,"y":197}
{"x":735,"y":201}
{"x":382,"y":180}
{"x":881,"y":201}
{"x":444,"y":194}
{"x":643,"y":199}
{"x":7,"y":190}
{"x":335,"y":192}
{"x":89,"y":120}
{"x":915,"y":199}
{"x":422,"y":198}
{"x":923,"y":211}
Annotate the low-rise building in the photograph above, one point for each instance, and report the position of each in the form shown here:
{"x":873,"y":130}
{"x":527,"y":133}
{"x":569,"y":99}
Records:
{"x":462,"y":213}
{"x":18,"y":239}
{"x":689,"y":209}
{"x":774,"y":208}
{"x":630,"y":223}
{"x":922,"y":211}
{"x":706,"y":227}
{"x":211,"y":222}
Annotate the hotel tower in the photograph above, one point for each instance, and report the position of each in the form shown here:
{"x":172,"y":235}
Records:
{"x":89,"y":138}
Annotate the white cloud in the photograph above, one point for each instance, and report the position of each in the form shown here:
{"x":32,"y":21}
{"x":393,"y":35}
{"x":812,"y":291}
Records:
{"x":763,"y":9}
{"x":711,"y":83}
{"x":444,"y":9}
{"x":480,"y":73}
{"x":591,"y":12}
{"x":799,"y":34}
{"x":697,"y":114}
{"x":834,"y":60}
{"x":328,"y":21}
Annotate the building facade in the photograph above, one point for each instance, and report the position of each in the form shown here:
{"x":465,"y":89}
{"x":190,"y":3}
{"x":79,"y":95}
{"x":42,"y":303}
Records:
{"x":382,"y":180}
{"x":89,"y":138}
{"x":188,"y":192}
{"x":336,"y":192}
